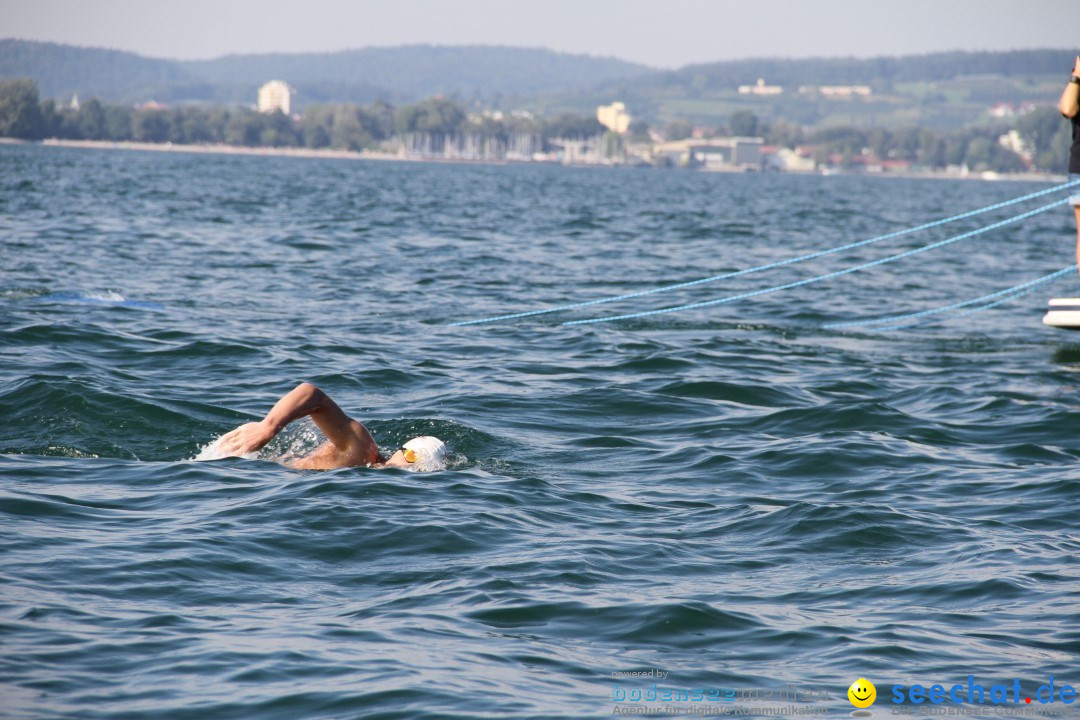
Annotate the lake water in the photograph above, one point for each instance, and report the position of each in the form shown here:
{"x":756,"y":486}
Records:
{"x":733,"y":495}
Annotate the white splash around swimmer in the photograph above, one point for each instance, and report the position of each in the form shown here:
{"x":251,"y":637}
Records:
{"x":296,"y":441}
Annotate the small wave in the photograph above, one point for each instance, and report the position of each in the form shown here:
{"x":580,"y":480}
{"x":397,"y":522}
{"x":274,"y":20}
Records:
{"x":212,"y":451}
{"x":71,"y":452}
{"x":61,"y":417}
{"x":108,"y":297}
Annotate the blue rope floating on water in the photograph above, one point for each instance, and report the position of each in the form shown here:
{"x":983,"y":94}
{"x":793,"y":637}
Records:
{"x":761,"y":268}
{"x":996,"y":298}
{"x":980,"y":308}
{"x":819,"y":278}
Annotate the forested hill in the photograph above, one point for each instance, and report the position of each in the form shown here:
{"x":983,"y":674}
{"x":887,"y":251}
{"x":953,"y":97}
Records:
{"x":416,"y":71}
{"x":407,"y":73}
{"x":880,"y":72}
{"x":395,"y":73}
{"x":63,"y":70}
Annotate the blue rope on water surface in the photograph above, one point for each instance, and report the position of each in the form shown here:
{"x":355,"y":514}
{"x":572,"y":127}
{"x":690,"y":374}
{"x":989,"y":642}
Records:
{"x":997,"y":298}
{"x":819,"y":278}
{"x":762,"y":268}
{"x":980,"y":308}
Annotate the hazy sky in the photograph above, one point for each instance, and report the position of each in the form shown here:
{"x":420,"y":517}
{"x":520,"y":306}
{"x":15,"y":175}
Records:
{"x":663,"y":33}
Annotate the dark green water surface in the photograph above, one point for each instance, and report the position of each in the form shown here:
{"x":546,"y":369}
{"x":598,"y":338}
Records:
{"x":732,"y":494}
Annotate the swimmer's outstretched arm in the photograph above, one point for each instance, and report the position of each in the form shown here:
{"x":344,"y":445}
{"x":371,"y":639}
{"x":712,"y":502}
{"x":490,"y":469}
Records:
{"x":350,"y":439}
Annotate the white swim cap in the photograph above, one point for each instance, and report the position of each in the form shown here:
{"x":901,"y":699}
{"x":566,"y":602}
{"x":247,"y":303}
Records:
{"x":430,"y":453}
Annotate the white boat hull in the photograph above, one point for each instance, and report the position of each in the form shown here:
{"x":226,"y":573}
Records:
{"x":1063,"y":313}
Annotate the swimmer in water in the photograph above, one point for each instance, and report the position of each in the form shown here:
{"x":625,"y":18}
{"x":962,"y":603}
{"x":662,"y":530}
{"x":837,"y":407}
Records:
{"x":349,"y":442}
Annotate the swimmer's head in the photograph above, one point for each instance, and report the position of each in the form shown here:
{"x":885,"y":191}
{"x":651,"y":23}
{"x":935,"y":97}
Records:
{"x":423,"y":454}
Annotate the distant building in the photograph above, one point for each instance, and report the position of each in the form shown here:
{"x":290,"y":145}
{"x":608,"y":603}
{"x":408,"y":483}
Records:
{"x":478,"y":118}
{"x":841,"y":91}
{"x":614,"y":117}
{"x":1012,"y":140}
{"x":787,"y":160}
{"x":1008,"y":110}
{"x":275,"y":96}
{"x":834,"y":92}
{"x":740,"y":153}
{"x":725,"y":154}
{"x":74,"y":102}
{"x":760,"y":89}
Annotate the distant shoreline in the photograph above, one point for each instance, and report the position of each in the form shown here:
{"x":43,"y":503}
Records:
{"x":221,"y":149}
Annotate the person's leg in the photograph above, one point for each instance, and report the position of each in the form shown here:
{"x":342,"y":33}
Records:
{"x":1074,"y":200}
{"x":1077,"y":209}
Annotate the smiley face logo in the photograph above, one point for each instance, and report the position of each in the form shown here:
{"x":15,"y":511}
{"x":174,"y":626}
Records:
{"x":862,"y":693}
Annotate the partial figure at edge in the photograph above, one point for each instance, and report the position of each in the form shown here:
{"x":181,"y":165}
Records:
{"x":1070,"y":108}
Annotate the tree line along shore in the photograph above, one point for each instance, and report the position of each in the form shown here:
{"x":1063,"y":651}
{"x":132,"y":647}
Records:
{"x":1040,"y":139}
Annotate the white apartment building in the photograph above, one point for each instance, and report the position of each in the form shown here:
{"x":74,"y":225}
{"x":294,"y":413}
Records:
{"x":614,"y":117}
{"x":275,"y":96}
